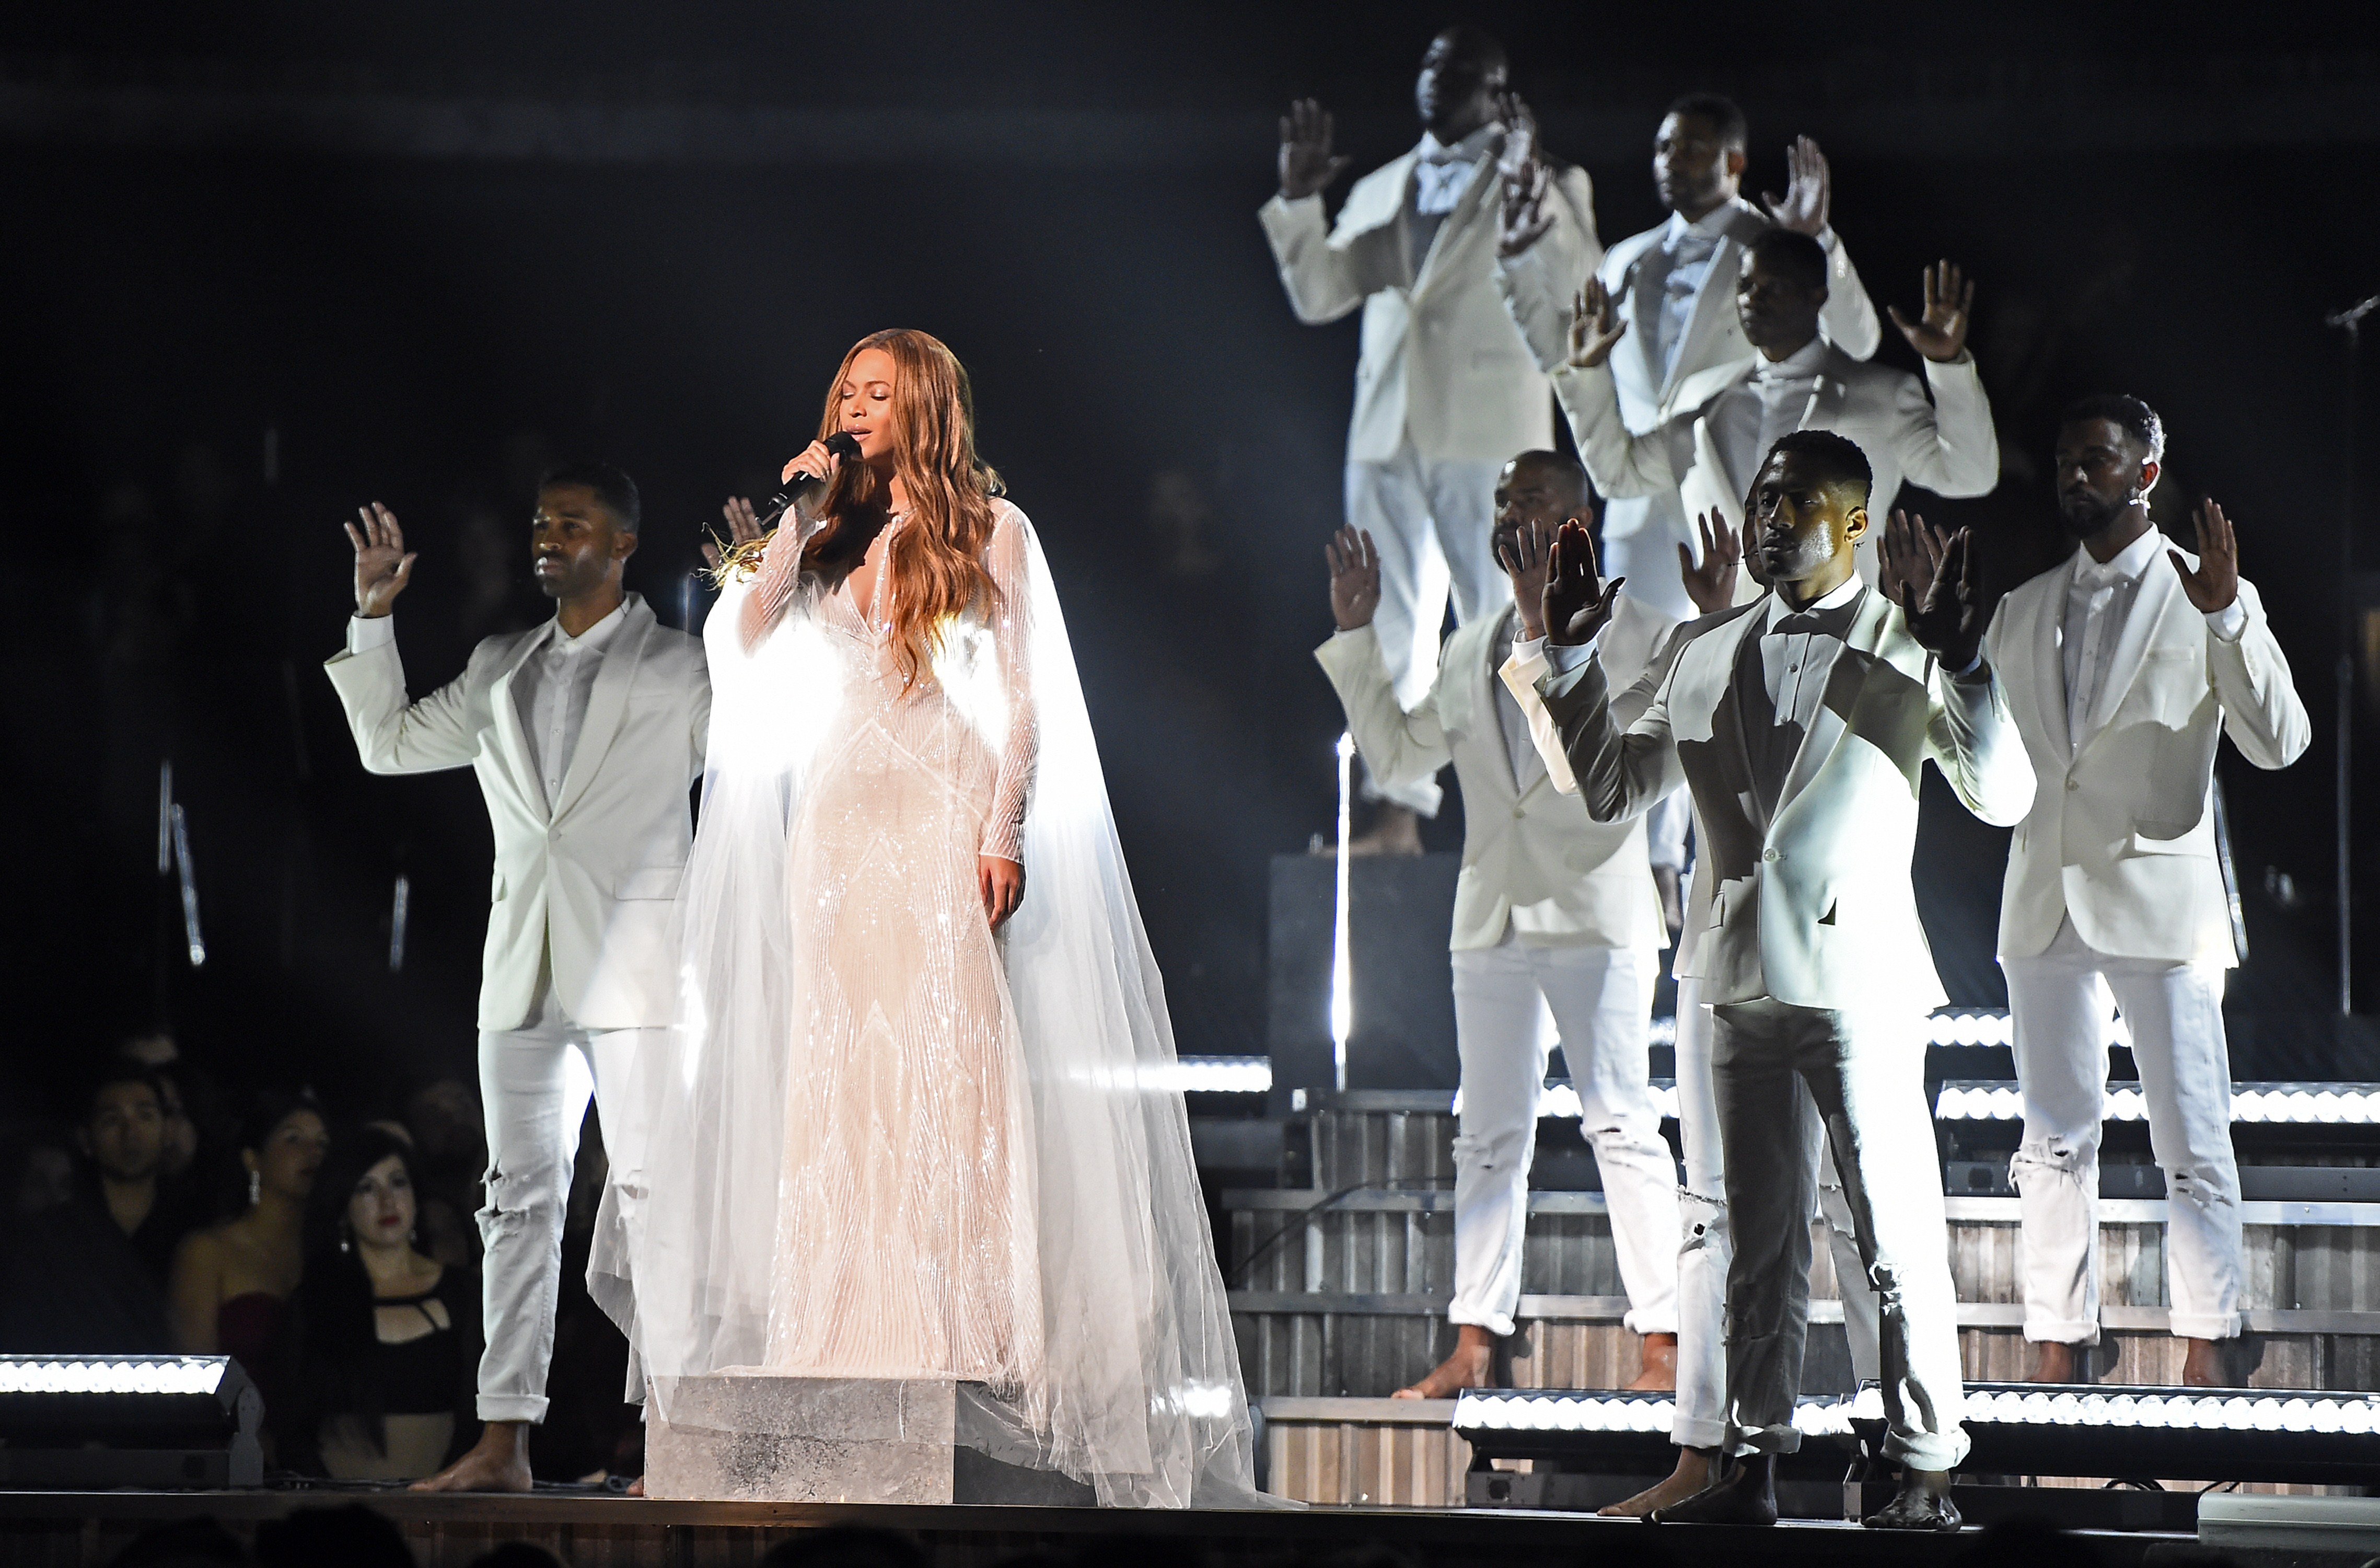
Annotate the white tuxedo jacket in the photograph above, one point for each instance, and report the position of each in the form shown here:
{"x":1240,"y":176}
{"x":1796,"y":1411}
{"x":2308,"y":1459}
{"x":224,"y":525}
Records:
{"x":1811,"y":905}
{"x":1947,"y":444}
{"x":1444,"y":369}
{"x":1541,"y":297}
{"x":2120,"y":838}
{"x":1532,"y":857}
{"x":595,"y":879}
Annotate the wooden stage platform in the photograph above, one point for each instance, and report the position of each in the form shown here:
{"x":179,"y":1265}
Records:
{"x":85,"y":1530}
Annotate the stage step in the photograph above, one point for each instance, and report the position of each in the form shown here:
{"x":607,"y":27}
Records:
{"x":1346,"y":1296}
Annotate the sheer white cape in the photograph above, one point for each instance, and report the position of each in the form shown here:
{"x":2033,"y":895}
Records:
{"x":1142,"y":1397}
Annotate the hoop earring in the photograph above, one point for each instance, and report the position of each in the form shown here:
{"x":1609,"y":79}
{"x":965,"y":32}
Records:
{"x":255,"y":1188}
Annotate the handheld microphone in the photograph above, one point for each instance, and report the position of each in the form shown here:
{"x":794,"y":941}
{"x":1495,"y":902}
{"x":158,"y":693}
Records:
{"x":806,"y":490}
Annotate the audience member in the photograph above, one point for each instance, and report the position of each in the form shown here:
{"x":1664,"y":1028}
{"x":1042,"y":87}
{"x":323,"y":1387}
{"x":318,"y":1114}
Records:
{"x":184,"y":1543}
{"x":352,"y":1536}
{"x":40,"y":1173}
{"x":450,"y":1142}
{"x":381,"y":1345}
{"x":193,"y":1106}
{"x":123,"y":1135}
{"x":230,"y":1281}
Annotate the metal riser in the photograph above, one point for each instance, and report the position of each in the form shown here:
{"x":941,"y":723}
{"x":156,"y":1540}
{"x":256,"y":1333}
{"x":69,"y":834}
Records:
{"x":2308,"y":1267}
{"x":1408,"y":1149}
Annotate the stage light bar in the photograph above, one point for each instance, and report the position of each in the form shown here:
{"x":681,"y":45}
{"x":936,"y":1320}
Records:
{"x":1561,"y":1099}
{"x":1976,"y":1026}
{"x":148,"y":1374}
{"x":2272,"y":1104}
{"x":1594,"y":1411}
{"x":1213,"y":1075}
{"x":2103,"y":1406}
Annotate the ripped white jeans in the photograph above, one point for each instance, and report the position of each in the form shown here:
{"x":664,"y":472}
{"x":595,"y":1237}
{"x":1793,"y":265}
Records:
{"x":535,"y":1082}
{"x":2058,"y":1001}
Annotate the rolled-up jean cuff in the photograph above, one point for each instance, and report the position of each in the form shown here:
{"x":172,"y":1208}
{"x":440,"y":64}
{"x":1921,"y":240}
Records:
{"x":2061,"y":1330}
{"x":1930,"y":1451}
{"x":1497,"y":1323}
{"x":1697,"y":1432}
{"x":513,"y":1407}
{"x":2204,"y":1326}
{"x":1659,"y":1320}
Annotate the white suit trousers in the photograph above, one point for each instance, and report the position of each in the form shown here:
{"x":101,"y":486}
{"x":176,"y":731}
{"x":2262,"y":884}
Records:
{"x":2059,"y":1002}
{"x":1510,"y":1003}
{"x":1704,"y":1249}
{"x":535,"y":1082}
{"x":1432,"y":520}
{"x":1786,"y":1077}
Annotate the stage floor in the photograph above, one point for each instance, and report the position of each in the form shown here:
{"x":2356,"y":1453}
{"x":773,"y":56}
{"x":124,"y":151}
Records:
{"x":84,"y":1530}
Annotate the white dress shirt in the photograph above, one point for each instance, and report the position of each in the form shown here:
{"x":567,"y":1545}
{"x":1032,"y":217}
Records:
{"x":1797,"y":651}
{"x":1678,"y":266}
{"x":2097,"y":605}
{"x":1441,"y":174}
{"x":1748,"y":417}
{"x":550,"y":690}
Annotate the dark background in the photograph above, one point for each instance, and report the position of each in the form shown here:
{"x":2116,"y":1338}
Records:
{"x":256,"y":270}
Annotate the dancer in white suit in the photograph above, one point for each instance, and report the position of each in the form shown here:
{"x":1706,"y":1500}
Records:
{"x":2124,"y":672}
{"x":1721,"y":422}
{"x":587,"y":734}
{"x":1800,"y":723}
{"x":1676,"y":285}
{"x":1445,"y":390}
{"x":1557,"y":922}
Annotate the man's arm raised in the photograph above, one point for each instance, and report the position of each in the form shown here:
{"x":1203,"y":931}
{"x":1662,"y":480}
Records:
{"x":1399,"y":746}
{"x":393,"y":736}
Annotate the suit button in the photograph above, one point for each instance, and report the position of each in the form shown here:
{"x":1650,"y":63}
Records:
{"x":1518,"y":813}
{"x":2073,"y":783}
{"x":1769,"y":855}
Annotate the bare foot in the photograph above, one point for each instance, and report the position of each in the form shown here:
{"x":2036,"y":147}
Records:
{"x":497,"y":1463}
{"x":2201,"y":1367}
{"x":1470,"y":1367}
{"x":1395,"y":830}
{"x":1659,"y":1374}
{"x":2056,"y":1363}
{"x":1692,"y":1473}
{"x":1923,"y":1503}
{"x":1745,"y":1493}
{"x":637,"y":1486}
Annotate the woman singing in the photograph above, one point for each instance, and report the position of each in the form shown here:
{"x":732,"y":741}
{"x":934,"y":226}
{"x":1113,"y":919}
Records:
{"x":920,"y":1118}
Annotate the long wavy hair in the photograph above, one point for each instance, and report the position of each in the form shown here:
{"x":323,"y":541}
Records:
{"x":934,"y":566}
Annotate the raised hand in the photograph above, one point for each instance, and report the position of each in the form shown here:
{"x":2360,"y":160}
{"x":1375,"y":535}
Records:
{"x":1592,"y":328}
{"x":2216,"y":582}
{"x":1938,"y":590}
{"x":1308,"y":164}
{"x":1354,"y":577}
{"x":1517,"y":148}
{"x":1578,"y":603}
{"x":1526,"y":554}
{"x":742,"y":528}
{"x":383,"y":566}
{"x":1941,"y":333}
{"x":1809,"y":190}
{"x":1711,"y":584}
{"x":1520,"y":216}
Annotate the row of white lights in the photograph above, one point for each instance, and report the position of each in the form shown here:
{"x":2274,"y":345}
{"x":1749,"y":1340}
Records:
{"x":163,"y":1374}
{"x":2348,"y":1413}
{"x":2347,"y":1104}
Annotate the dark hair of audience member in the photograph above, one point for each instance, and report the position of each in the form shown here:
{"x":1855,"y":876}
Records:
{"x":1837,"y":459}
{"x":265,"y":1112}
{"x":845,"y":1546}
{"x":184,"y":1543}
{"x":1721,"y":114}
{"x":612,"y":486}
{"x":2131,"y":415}
{"x":333,"y":1326}
{"x":352,"y":1536}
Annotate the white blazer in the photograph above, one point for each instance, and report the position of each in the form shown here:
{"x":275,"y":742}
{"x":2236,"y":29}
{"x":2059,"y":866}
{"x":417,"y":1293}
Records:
{"x":595,"y":879}
{"x":2120,"y":838}
{"x":1532,"y":857}
{"x":1947,"y":444}
{"x":1541,"y":296}
{"x":1443,"y":370}
{"x":1812,"y":906}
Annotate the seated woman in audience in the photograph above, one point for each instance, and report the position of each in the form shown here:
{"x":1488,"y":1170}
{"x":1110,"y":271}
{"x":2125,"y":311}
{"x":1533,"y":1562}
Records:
{"x":229,"y":1282}
{"x":380,"y":1352}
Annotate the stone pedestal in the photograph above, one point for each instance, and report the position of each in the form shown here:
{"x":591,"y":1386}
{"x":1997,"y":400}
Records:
{"x":759,"y":1437}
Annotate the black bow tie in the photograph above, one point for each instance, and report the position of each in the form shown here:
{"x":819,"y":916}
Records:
{"x":1811,"y":623}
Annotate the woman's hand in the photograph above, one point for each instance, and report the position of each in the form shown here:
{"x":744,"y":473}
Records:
{"x":816,"y":461}
{"x":1001,"y":882}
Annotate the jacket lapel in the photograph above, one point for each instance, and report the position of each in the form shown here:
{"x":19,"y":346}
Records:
{"x":1713,"y":304}
{"x":607,"y":705}
{"x":1427,"y":266}
{"x":2158,"y":593}
{"x":512,"y":739}
{"x":1828,"y":726}
{"x":2048,"y":681}
{"x":1726,"y":650}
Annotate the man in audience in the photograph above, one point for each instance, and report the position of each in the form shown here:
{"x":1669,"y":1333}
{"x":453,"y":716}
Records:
{"x":2124,"y":672}
{"x":1675,"y":285}
{"x":123,"y":1136}
{"x":1446,"y":390}
{"x":1721,"y":422}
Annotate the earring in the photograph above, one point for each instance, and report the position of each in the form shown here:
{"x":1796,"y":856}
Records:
{"x":344,"y":1246}
{"x":255,"y":1188}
